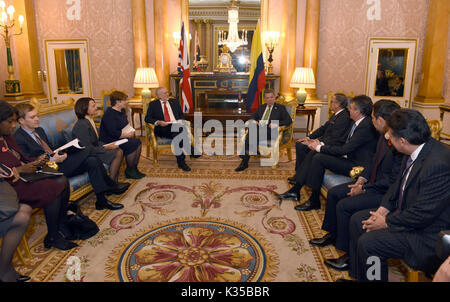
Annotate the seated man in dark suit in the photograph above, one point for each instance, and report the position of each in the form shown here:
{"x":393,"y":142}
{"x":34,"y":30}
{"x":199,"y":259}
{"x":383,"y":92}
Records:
{"x":264,"y":116}
{"x":364,"y":193}
{"x":413,"y":211}
{"x":163,"y":113}
{"x":357,"y":151}
{"x":331,"y":133}
{"x":33,"y":140}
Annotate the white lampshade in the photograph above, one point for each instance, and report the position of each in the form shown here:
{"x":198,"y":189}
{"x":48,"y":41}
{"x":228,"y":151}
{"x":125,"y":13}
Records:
{"x":303,"y":77}
{"x":145,"y":78}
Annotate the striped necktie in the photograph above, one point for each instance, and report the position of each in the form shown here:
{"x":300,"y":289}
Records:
{"x":43,"y":144}
{"x":409,"y":163}
{"x":351,"y":132}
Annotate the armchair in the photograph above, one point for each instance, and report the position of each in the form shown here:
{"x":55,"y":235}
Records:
{"x":158,"y":144}
{"x":285,"y":134}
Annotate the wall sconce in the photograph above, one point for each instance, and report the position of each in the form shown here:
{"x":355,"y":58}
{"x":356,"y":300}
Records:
{"x":146,"y":78}
{"x":177,"y":38}
{"x":302,"y":78}
{"x":271,"y":39}
{"x":7,"y":22}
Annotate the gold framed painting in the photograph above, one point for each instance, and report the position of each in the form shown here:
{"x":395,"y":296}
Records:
{"x":390,"y":70}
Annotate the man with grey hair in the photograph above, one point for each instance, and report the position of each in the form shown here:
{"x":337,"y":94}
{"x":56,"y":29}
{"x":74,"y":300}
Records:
{"x":331,"y":133}
{"x":164,"y":112}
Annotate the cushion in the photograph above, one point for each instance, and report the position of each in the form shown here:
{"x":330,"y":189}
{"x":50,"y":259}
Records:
{"x":58,"y":126}
{"x":78,"y":181}
{"x":331,"y":180}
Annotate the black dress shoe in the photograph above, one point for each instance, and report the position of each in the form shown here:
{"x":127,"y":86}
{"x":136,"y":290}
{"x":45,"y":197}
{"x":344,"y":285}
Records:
{"x":307,"y":206}
{"x":292,"y":182}
{"x":323,"y":241}
{"x":340,"y":264}
{"x":120,"y":188}
{"x":58,"y":242}
{"x":290,"y":194}
{"x":345,"y":280}
{"x":183,"y":166}
{"x":106,"y":204}
{"x":195,"y":155}
{"x":290,"y":179}
{"x":23,"y":278}
{"x":242,"y":166}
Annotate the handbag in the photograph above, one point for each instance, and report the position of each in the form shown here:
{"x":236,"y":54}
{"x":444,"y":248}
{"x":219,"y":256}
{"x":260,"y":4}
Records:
{"x":43,"y":173}
{"x":79,"y":226}
{"x":9,"y":203}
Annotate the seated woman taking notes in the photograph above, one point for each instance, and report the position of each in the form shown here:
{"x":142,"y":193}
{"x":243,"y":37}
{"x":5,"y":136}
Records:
{"x":86,"y":131}
{"x":115,"y":126}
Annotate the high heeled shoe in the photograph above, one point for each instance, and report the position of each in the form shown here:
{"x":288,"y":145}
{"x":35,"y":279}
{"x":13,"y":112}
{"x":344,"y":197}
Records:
{"x":59,"y":242}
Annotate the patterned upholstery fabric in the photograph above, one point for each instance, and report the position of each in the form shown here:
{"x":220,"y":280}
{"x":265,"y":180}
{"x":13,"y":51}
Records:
{"x":330,"y":180}
{"x":287,"y":134}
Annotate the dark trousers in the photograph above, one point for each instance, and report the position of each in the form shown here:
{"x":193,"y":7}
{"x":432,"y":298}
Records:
{"x":166,"y":132}
{"x":303,"y":169}
{"x":380,"y":243}
{"x":340,"y":208}
{"x":300,"y":154}
{"x":98,"y":176}
{"x":321,"y":162}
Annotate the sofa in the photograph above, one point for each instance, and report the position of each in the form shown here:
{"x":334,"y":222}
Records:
{"x":57,"y":122}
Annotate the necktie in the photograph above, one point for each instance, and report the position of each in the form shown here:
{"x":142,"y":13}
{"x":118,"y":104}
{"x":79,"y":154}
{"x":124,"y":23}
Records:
{"x":266,"y":115}
{"x":43,"y":144}
{"x":409,"y":163}
{"x":351,"y":132}
{"x":380,"y":151}
{"x":166,"y":112}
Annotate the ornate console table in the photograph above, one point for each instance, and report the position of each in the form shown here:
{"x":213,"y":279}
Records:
{"x":202,"y":82}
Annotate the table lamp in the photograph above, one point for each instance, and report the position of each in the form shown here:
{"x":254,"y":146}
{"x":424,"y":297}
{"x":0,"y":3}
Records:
{"x":302,"y":78}
{"x":145,"y":78}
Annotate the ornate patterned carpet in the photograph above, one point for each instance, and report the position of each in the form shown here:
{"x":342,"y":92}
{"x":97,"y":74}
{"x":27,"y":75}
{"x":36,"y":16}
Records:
{"x":210,"y":224}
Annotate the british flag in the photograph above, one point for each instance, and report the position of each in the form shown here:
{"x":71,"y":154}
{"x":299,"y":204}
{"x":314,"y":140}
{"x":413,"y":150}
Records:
{"x":183,"y":68}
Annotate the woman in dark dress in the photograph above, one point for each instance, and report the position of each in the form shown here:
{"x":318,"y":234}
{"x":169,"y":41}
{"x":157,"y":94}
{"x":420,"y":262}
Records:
{"x":50,"y":194}
{"x":112,"y":128}
{"x":86,"y":131}
{"x":12,"y":230}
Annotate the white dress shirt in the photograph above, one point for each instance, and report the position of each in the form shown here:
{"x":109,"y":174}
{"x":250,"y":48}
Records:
{"x":356,"y":123}
{"x":169,"y":108}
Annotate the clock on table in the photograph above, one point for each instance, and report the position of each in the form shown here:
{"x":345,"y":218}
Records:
{"x":225,"y":64}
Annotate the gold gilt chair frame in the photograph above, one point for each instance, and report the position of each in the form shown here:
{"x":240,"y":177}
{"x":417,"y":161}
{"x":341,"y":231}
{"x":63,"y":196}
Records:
{"x":152,"y":140}
{"x":285,"y":135}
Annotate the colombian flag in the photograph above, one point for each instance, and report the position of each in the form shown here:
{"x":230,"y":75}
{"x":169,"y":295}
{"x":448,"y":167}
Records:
{"x":257,"y":79}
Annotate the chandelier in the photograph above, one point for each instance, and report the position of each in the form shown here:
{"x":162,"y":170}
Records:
{"x":232,"y":41}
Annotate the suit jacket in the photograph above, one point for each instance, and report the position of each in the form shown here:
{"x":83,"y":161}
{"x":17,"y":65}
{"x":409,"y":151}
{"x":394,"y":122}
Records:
{"x":387,"y":169}
{"x":361,"y":145}
{"x":86,"y":134}
{"x":155,"y":112}
{"x":334,"y":130}
{"x":278,"y":113}
{"x":32,"y":149}
{"x":426,"y":202}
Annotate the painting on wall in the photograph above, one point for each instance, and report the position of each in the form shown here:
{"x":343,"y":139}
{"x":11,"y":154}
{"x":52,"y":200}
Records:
{"x":390,"y":70}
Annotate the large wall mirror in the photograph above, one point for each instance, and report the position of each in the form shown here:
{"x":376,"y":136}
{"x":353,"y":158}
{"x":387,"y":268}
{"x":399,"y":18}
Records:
{"x":208,"y":19}
{"x":68,"y":69}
